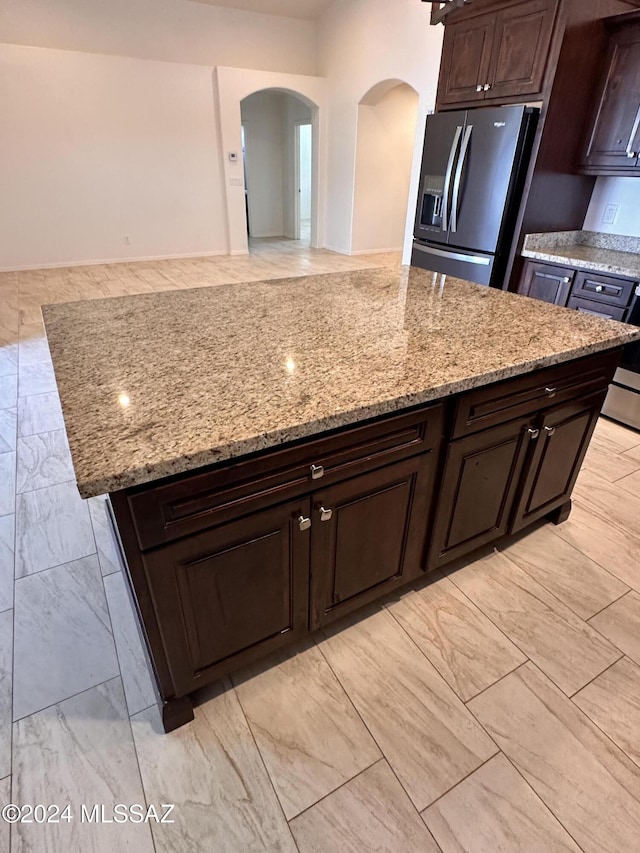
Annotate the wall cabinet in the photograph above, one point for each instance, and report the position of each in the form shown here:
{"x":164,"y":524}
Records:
{"x":612,"y":137}
{"x":496,"y":55}
{"x":230,"y":563}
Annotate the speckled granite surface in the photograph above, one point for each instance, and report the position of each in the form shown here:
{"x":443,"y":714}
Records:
{"x":157,"y":384}
{"x":607,"y":253}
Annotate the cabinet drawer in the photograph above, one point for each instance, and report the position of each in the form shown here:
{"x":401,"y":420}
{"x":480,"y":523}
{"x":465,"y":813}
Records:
{"x":599,"y":309}
{"x":505,"y":401}
{"x":192,"y":502}
{"x":602,"y":288}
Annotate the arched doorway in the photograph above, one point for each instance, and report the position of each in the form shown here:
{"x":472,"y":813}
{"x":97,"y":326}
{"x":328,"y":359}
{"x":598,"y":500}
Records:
{"x":278,"y":150}
{"x":387,"y":118}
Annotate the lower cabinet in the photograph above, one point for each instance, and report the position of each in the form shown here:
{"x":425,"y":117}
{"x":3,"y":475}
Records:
{"x":230,"y":564}
{"x":558,"y":451}
{"x":224,"y":593}
{"x":481,"y":475}
{"x":368,"y":536}
{"x":500,"y":480}
{"x":546,"y":282}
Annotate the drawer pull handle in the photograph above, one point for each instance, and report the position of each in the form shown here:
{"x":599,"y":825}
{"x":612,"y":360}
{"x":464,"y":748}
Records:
{"x":533,"y":433}
{"x":317,"y":471}
{"x":305,"y":523}
{"x":549,"y":431}
{"x":599,"y":288}
{"x":325,"y":514}
{"x":566,"y":279}
{"x":551,"y":392}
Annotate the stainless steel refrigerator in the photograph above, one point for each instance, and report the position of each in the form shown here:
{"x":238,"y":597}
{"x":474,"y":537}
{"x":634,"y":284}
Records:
{"x":473,"y":172}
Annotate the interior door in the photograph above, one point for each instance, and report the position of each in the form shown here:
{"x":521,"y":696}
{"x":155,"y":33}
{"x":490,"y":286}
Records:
{"x":442,"y":139}
{"x":483,"y":176}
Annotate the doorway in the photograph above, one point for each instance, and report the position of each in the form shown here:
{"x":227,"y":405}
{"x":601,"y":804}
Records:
{"x":304,"y":160}
{"x":277,"y":128}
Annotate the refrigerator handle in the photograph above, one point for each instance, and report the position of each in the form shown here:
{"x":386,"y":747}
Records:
{"x":464,"y":150}
{"x":447,"y":178}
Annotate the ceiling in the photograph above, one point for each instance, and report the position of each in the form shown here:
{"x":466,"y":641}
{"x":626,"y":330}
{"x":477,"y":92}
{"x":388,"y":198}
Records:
{"x":308,"y":9}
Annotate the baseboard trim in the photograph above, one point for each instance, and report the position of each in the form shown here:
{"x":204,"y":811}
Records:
{"x":376,"y":251}
{"x":61,"y":264}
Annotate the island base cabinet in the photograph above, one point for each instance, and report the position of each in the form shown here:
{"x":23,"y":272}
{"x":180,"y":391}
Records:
{"x":227,"y":594}
{"x":368,"y":536}
{"x":558,"y":452}
{"x":481,"y":475}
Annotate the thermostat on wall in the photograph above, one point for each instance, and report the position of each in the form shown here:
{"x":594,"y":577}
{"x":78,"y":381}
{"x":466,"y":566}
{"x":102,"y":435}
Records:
{"x":233,"y":156}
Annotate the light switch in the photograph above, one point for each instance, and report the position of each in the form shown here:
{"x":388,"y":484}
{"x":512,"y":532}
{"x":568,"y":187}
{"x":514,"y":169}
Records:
{"x":235,"y":182}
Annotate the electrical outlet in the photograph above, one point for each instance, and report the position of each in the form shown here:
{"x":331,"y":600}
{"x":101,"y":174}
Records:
{"x":609,"y":214}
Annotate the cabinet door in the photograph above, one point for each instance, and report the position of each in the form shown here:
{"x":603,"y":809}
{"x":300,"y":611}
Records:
{"x":478,"y":489}
{"x":564,"y":436}
{"x":466,"y":53}
{"x":369,"y":536}
{"x":545,"y":282}
{"x":231,"y":594}
{"x":613,"y":141}
{"x":520,"y":48}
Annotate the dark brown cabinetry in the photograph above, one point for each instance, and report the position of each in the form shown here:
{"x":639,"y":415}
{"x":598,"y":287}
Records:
{"x":559,"y":443}
{"x":368,"y":536}
{"x":230,"y":563}
{"x":612,"y":139}
{"x":547,"y":283}
{"x":595,"y":293}
{"x":222,"y":593}
{"x":516,"y":453}
{"x":496,"y":55}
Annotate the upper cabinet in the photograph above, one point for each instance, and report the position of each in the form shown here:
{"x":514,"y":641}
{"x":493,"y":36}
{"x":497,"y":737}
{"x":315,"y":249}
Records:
{"x":496,"y":55}
{"x":612,"y":140}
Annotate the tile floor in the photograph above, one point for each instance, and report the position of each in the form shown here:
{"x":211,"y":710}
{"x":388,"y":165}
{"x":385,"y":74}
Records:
{"x":495,"y":709}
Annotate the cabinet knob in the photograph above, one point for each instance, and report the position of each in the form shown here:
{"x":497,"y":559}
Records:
{"x":486,"y":87}
{"x":305,"y":523}
{"x":479,"y":87}
{"x":551,"y":392}
{"x":566,"y":279}
{"x":317,"y":471}
{"x":533,"y":433}
{"x":599,"y":288}
{"x":325,"y":514}
{"x":549,"y":431}
{"x":632,"y":155}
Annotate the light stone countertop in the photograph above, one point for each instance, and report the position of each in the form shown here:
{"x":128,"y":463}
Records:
{"x":157,"y":384}
{"x":606,"y":253}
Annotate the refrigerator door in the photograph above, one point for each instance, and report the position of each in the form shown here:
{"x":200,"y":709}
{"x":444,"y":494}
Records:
{"x":484,"y":176}
{"x":451,"y":261}
{"x":442,"y":140}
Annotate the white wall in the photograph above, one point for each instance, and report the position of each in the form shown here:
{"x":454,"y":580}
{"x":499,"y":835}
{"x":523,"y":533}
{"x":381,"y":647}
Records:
{"x":93,"y":148}
{"x":170,"y":30}
{"x":304,"y":171}
{"x":360,"y":43}
{"x":295,"y":111}
{"x":384,"y":158}
{"x":263,"y":118}
{"x":624,"y":192}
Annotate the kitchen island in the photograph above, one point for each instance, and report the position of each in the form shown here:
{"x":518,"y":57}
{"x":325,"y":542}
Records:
{"x":280,"y":453}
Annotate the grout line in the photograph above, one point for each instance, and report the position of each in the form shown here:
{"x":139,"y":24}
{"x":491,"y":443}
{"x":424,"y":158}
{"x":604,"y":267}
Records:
{"x":66,"y":698}
{"x":502,"y":677}
{"x":606,"y":607}
{"x":58,"y":566}
{"x":544,"y":804}
{"x":232,"y":688}
{"x":580,"y":689}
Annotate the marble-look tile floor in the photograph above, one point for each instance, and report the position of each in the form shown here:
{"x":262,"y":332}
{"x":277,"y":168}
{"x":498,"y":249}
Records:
{"x":497,"y":708}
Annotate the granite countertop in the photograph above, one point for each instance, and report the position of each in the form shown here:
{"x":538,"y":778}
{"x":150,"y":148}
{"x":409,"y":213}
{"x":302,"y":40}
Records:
{"x":157,"y":384}
{"x":607,"y":253}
